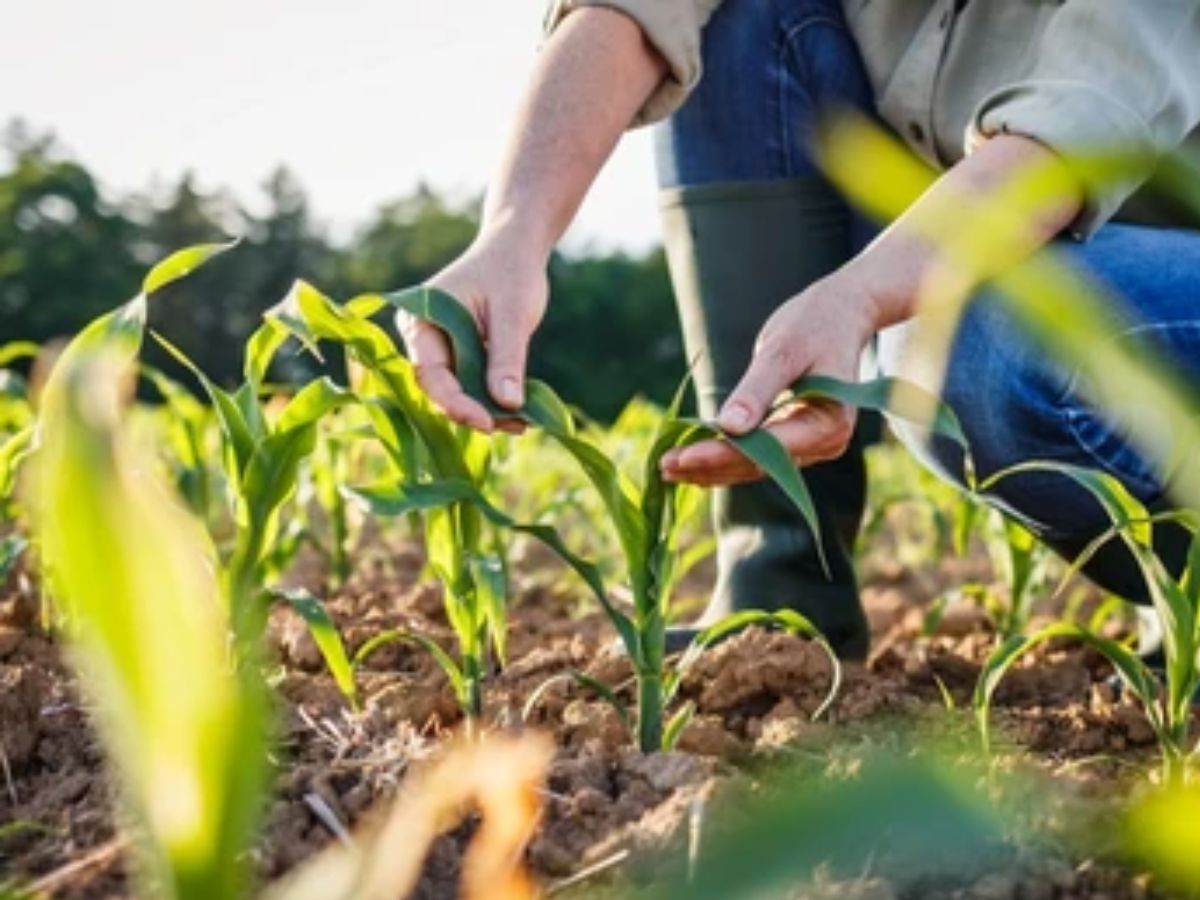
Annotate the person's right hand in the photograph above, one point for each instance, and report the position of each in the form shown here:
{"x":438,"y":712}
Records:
{"x":502,"y":282}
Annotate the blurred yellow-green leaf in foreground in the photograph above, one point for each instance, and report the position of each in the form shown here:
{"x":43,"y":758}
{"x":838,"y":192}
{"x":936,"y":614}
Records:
{"x":131,"y":572}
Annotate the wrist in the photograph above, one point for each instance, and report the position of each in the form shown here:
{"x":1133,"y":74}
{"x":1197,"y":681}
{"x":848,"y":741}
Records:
{"x":896,"y":272}
{"x":859,"y":297}
{"x":528,"y":236}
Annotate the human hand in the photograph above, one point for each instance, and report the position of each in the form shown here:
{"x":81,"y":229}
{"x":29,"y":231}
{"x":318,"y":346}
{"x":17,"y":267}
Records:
{"x":820,"y":331}
{"x":504,"y":287}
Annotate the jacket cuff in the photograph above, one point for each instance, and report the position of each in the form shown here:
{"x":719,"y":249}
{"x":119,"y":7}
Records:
{"x":672,"y":27}
{"x":1083,"y":125}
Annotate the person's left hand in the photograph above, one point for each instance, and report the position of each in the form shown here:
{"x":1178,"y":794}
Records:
{"x":820,"y":331}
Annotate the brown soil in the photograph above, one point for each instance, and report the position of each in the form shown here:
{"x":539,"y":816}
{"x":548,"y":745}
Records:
{"x":754,"y":697}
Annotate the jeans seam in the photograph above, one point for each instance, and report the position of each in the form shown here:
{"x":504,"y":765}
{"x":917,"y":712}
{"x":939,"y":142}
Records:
{"x":1072,"y":385}
{"x":1147,"y":486}
{"x":1144,"y":486}
{"x":784,"y":54}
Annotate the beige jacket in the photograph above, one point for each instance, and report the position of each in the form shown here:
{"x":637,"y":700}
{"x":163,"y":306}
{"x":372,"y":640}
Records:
{"x":1081,"y":76}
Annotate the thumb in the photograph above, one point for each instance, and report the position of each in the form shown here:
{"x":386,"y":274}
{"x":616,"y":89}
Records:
{"x":508,"y":347}
{"x":751,"y":400}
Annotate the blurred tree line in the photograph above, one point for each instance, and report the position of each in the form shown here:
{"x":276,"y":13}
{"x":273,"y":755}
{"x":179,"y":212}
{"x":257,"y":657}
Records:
{"x":68,"y":254}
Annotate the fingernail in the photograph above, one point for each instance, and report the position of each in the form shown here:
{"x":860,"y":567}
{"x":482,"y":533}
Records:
{"x":510,"y":391}
{"x":735,"y":417}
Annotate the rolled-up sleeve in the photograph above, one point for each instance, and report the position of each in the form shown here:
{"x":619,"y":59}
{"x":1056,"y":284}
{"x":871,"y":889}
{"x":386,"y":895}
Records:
{"x":673,"y":27}
{"x":1113,"y":77}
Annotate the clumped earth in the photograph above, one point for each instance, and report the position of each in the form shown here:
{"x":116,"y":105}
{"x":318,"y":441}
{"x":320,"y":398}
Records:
{"x":604,"y":803}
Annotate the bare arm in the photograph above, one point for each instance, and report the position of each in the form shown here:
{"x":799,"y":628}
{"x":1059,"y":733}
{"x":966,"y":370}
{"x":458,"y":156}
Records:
{"x":591,"y":78}
{"x":824,"y":329}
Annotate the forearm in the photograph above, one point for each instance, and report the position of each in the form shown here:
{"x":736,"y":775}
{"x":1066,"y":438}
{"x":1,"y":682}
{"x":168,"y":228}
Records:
{"x":895,"y":266}
{"x":593,"y":75}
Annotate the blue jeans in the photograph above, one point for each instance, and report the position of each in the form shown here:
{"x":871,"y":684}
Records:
{"x":771,"y":68}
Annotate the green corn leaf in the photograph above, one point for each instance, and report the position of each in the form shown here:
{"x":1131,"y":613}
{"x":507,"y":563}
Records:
{"x":458,"y":682}
{"x":274,"y":469}
{"x":491,"y":591}
{"x":261,"y":350}
{"x":764,"y":450}
{"x":234,"y":428}
{"x":1186,"y":518}
{"x":393,"y":501}
{"x":180,"y":264}
{"x":1022,"y":564}
{"x":250,"y":405}
{"x":1191,"y":583}
{"x":15,"y":350}
{"x":893,"y":396}
{"x":432,"y":305}
{"x":396,"y":435}
{"x":312,"y":403}
{"x":1122,"y":507}
{"x":536,"y":695}
{"x":13,"y":452}
{"x":676,"y":725}
{"x":325,"y":635}
{"x":1112,"y":606}
{"x":544,"y":408}
{"x":587,"y":682}
{"x":605,"y":693}
{"x":1132,"y":671}
{"x":784,"y":619}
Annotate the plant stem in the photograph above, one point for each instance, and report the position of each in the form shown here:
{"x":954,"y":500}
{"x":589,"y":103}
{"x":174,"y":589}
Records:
{"x":650,"y":711}
{"x":473,"y":708}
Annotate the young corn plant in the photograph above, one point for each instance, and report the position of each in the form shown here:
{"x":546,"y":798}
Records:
{"x":646,"y":518}
{"x":263,"y":451}
{"x":187,"y":424}
{"x":331,"y":467}
{"x":439,"y":470}
{"x":1021,"y":560}
{"x":1166,"y":700}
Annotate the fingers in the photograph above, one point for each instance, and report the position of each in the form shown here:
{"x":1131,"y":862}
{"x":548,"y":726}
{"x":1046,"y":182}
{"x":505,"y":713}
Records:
{"x":508,"y":349}
{"x":769,"y":373}
{"x":431,"y":358}
{"x":811,"y":433}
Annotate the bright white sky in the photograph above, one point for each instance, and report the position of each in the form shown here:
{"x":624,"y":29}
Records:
{"x":361,"y":98}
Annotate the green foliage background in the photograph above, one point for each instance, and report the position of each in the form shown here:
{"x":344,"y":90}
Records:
{"x":68,"y":253}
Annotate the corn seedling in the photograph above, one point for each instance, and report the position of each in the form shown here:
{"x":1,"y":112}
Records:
{"x":646,"y":520}
{"x":330,"y":470}
{"x":187,"y":423}
{"x":1167,"y":702}
{"x":1021,"y":560}
{"x":143,"y":613}
{"x":263,"y":453}
{"x":439,"y":470}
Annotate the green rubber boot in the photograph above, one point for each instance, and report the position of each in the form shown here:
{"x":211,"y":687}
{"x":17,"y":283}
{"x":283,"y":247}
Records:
{"x":737,"y":251}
